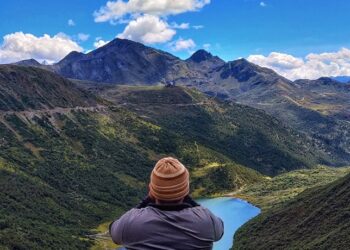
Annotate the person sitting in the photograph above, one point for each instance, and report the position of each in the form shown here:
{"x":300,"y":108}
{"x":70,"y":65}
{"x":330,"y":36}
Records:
{"x":168,"y":218}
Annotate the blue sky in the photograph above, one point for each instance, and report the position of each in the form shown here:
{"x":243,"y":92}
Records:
{"x":228,"y":28}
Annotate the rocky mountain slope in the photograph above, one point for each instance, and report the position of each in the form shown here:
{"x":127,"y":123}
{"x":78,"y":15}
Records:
{"x":70,"y":160}
{"x":316,"y":219}
{"x":123,"y":62}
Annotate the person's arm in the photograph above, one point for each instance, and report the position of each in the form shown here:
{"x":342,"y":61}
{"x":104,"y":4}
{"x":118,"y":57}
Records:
{"x":218,"y":226}
{"x":117,"y":228}
{"x":116,"y":231}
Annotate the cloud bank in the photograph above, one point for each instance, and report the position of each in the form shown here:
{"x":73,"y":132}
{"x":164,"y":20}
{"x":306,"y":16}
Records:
{"x":183,"y":44}
{"x":311,"y":66}
{"x":99,"y":43}
{"x":20,"y":46}
{"x":148,"y":29}
{"x":118,"y":10}
{"x":146,"y":19}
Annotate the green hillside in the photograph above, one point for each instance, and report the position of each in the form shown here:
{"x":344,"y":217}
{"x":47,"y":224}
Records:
{"x":248,"y":136}
{"x":23,"y":88}
{"x":318,"y":218}
{"x":65,"y":173}
{"x":274,"y":192}
{"x":71,"y":163}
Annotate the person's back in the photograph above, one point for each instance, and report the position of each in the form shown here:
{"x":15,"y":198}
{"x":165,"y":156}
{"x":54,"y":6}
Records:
{"x":168,"y":218}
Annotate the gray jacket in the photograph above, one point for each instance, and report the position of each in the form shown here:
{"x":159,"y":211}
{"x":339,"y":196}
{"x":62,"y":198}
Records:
{"x":187,"y":226}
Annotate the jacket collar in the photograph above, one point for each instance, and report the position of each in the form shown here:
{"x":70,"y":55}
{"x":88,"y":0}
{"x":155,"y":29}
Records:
{"x":170,"y":207}
{"x":187,"y":203}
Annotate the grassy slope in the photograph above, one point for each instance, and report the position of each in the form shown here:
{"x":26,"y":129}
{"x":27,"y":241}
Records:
{"x":56,"y":185}
{"x":318,"y":218}
{"x":274,"y":192}
{"x":250,"y":137}
{"x":23,"y":88}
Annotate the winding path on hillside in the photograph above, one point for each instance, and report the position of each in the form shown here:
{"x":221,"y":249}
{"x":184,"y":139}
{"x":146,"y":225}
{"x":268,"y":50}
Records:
{"x":60,"y":110}
{"x":31,"y":113}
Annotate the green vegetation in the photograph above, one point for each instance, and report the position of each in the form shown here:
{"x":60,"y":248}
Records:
{"x":273,"y":192}
{"x":318,"y":218}
{"x":248,"y":136}
{"x":66,"y":170}
{"x":80,"y":168}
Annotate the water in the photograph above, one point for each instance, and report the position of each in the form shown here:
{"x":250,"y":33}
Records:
{"x":234,"y":213}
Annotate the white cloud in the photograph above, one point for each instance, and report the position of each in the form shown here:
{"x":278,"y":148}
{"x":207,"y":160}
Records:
{"x":182,"y":26}
{"x":99,"y":43}
{"x":148,"y":29}
{"x":182,"y":44}
{"x":117,"y":10}
{"x":83,"y":37}
{"x":263,"y":4}
{"x":19,"y":46}
{"x":312,"y":66}
{"x":71,"y":22}
{"x":206,"y":46}
{"x":197,"y":27}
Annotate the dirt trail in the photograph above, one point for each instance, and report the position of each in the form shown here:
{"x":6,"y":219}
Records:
{"x":30,"y":113}
{"x":60,"y":110}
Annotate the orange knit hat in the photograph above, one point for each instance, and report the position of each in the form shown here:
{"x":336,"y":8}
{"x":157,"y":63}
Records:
{"x":169,"y":180}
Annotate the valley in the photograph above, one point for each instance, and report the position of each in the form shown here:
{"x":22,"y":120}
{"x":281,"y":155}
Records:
{"x":61,"y":167}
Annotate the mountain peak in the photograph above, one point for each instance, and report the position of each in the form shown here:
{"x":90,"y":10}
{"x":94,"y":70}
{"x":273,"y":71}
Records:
{"x":120,"y":44}
{"x":200,"y":56}
{"x":72,"y":56}
{"x":242,"y":61}
{"x":29,"y":62}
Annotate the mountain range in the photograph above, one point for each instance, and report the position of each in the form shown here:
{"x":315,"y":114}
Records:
{"x":318,"y":108}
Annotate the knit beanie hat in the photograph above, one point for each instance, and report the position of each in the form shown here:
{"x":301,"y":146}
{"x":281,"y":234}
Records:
{"x":169,"y":180}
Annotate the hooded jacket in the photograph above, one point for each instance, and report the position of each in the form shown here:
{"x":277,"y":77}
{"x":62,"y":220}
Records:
{"x":150,"y":226}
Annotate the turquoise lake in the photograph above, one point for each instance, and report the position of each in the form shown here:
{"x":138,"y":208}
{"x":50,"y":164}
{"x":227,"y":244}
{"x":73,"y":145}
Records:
{"x":234,"y":213}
